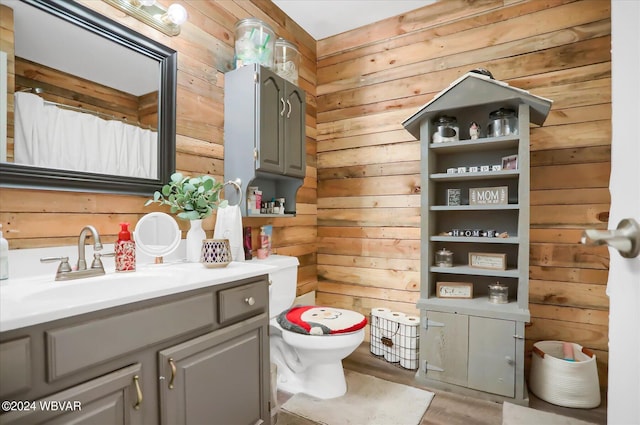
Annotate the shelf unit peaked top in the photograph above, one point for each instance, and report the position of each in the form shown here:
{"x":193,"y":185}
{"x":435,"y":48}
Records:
{"x":473,"y":88}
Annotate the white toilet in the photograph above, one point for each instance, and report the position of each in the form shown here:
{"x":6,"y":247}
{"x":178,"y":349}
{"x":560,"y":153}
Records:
{"x":308,"y":362}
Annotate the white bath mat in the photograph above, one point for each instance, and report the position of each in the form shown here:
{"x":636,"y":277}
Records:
{"x":369,"y":400}
{"x":512,"y":414}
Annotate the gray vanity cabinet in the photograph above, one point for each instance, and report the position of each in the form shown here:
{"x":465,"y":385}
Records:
{"x":217,"y":378}
{"x":468,"y":343}
{"x":264,"y":130}
{"x":209,"y":344}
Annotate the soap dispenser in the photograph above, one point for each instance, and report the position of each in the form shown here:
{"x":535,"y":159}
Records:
{"x":125,"y":250}
{"x":4,"y":257}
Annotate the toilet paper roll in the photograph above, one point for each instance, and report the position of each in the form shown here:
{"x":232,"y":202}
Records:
{"x":409,"y":364}
{"x":409,"y":326}
{"x":409,"y":358}
{"x":377,"y":348}
{"x":395,"y":315}
{"x":376,"y":323}
{"x":380,"y":312}
{"x":408,"y":353}
{"x":392,"y":355}
{"x":405,"y":341}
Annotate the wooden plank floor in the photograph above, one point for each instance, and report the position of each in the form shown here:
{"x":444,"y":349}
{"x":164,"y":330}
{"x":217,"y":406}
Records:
{"x":452,"y":409}
{"x":446,"y":408}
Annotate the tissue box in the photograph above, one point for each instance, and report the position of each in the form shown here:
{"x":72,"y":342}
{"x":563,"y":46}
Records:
{"x":395,"y":336}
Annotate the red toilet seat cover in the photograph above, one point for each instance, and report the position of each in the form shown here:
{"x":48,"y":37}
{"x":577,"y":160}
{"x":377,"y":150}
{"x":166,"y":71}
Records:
{"x":316,"y":320}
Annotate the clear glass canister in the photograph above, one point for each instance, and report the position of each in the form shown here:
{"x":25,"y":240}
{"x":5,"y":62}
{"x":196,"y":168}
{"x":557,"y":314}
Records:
{"x":502,"y":122}
{"x":287,"y":60}
{"x":446,"y":129}
{"x":444,"y":258}
{"x":255,"y":43}
{"x":498,"y":293}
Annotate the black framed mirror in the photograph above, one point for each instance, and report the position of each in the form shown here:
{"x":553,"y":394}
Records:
{"x":21,"y":174}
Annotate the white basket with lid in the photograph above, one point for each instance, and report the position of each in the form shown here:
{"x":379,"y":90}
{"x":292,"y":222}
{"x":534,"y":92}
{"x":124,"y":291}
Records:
{"x":561,"y":382}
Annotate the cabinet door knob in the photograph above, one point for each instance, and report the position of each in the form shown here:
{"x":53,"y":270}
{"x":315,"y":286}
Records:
{"x":250,"y":300}
{"x":136,"y":381}
{"x":283,"y":107}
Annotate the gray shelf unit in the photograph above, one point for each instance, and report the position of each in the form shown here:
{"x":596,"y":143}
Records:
{"x":264,"y":132}
{"x":472,"y":346}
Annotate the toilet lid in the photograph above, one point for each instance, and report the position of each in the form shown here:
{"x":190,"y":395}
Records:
{"x":316,"y":320}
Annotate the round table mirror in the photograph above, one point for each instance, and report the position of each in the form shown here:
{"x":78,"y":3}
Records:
{"x":157,"y":234}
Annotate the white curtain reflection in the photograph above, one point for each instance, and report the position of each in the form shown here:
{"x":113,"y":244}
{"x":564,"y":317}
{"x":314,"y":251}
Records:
{"x":52,"y":137}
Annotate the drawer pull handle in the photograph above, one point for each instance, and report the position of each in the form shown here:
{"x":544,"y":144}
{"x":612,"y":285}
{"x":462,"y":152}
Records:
{"x":136,"y":381}
{"x":173,"y":372}
{"x":250,"y":300}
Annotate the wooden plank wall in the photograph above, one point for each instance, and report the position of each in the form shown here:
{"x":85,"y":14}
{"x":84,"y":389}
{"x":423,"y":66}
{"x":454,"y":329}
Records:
{"x":37,"y":218}
{"x":371,"y":79}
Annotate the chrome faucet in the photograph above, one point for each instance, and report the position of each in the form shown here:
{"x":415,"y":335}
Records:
{"x":65,"y":272}
{"x":97,"y":246}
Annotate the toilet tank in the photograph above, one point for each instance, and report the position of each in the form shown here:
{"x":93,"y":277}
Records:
{"x":283,"y":280}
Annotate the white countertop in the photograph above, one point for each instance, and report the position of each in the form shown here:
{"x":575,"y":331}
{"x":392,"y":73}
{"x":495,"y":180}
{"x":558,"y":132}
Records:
{"x":38,"y":299}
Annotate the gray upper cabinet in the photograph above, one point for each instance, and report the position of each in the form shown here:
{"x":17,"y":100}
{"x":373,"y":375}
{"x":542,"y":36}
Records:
{"x":264,"y":134}
{"x":281,"y":129}
{"x":471,"y":344}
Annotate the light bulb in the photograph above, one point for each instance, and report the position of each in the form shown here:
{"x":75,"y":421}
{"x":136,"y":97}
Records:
{"x":177,"y":14}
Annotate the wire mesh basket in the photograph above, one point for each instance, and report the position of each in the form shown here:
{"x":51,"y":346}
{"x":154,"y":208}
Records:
{"x":395,"y":336}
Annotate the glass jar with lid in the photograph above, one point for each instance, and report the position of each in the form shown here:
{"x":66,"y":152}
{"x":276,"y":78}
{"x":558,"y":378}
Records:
{"x":255,"y":43}
{"x":502,"y":122}
{"x":498,"y":293}
{"x":287,"y":60}
{"x":444,"y":258}
{"x":446,"y":129}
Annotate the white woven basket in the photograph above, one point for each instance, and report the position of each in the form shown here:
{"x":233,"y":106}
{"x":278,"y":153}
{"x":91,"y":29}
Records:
{"x":562,"y":382}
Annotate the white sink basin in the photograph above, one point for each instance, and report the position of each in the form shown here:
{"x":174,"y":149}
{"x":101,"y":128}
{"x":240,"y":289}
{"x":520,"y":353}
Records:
{"x":97,"y":288}
{"x":39,"y":299}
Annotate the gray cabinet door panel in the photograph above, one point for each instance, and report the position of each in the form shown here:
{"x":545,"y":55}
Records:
{"x":492,"y":355}
{"x":445,"y":347}
{"x":15,"y":366}
{"x":109,"y":399}
{"x":294,"y":146}
{"x":272,"y":109}
{"x":220,"y":377}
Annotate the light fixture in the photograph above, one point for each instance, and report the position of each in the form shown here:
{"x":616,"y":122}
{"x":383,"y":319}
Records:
{"x":153,"y":14}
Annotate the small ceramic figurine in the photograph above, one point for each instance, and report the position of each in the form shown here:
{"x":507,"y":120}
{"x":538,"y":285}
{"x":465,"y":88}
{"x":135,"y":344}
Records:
{"x":474,"y":130}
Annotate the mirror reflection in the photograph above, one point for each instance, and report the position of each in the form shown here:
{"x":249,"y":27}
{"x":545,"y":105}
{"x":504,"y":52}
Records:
{"x":84,"y":102}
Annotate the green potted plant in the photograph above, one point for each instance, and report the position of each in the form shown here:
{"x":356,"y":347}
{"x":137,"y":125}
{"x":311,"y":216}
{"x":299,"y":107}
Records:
{"x":193,"y":199}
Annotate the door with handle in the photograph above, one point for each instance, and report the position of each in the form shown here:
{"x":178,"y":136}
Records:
{"x":625,"y":239}
{"x":623,"y":286}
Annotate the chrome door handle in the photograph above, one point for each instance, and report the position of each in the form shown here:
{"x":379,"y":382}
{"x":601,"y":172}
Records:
{"x":289,"y":105}
{"x":626,"y":238}
{"x":283,"y":107}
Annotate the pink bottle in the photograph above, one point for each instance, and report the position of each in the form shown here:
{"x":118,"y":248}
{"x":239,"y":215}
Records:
{"x":125,"y":250}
